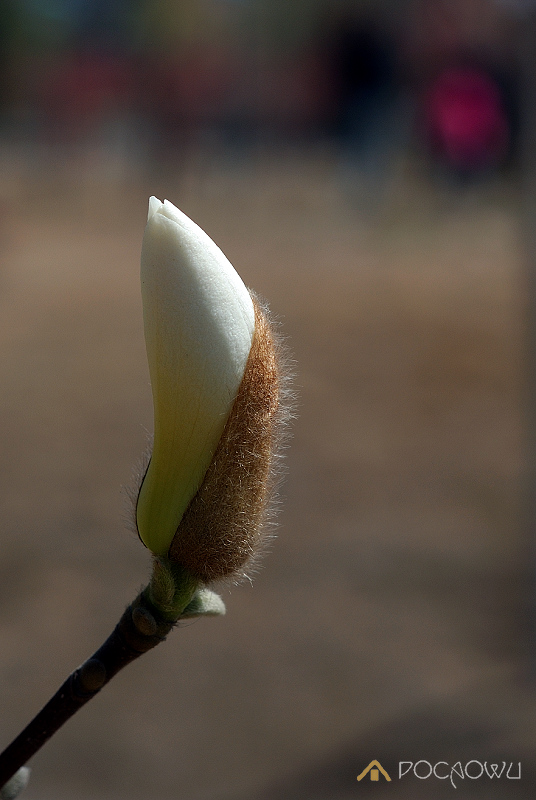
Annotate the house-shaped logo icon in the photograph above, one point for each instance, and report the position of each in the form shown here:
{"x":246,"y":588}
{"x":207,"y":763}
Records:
{"x":374,"y":768}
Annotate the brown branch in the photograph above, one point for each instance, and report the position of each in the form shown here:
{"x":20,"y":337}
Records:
{"x":140,"y":629}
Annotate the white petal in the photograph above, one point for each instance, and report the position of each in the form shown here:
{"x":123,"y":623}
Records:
{"x":199,"y":322}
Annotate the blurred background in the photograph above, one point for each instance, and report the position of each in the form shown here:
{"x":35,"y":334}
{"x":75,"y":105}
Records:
{"x":367,"y":167}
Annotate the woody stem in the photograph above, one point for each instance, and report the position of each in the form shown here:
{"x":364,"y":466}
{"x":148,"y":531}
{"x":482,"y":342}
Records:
{"x":141,"y":628}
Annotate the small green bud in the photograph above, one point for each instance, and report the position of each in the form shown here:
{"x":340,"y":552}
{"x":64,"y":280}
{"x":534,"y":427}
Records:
{"x":205,"y":603}
{"x":15,"y":785}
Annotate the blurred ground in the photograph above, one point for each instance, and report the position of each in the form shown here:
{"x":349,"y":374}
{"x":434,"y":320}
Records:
{"x":390,"y":621}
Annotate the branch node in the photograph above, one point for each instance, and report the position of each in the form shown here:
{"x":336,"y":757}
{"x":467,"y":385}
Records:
{"x":144,"y":621}
{"x":90,"y":677}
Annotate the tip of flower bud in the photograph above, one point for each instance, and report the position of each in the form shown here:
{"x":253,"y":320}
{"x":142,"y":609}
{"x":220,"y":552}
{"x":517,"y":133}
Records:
{"x":154,"y":205}
{"x":15,"y":785}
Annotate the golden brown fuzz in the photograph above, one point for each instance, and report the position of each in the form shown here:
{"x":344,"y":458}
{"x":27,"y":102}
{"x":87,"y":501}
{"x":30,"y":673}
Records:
{"x":220,"y":531}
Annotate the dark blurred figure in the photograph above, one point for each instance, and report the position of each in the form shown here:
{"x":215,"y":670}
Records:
{"x":362,"y":72}
{"x":365,"y":101}
{"x":466,"y":125}
{"x":7,"y":26}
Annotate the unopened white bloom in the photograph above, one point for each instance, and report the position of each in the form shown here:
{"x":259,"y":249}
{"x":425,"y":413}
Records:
{"x":199,"y":322}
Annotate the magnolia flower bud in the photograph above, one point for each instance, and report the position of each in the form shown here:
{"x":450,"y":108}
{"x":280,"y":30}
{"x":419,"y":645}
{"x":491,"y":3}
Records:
{"x":216,"y":392}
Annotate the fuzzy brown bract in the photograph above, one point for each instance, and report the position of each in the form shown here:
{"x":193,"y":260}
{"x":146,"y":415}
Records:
{"x":221,"y":532}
